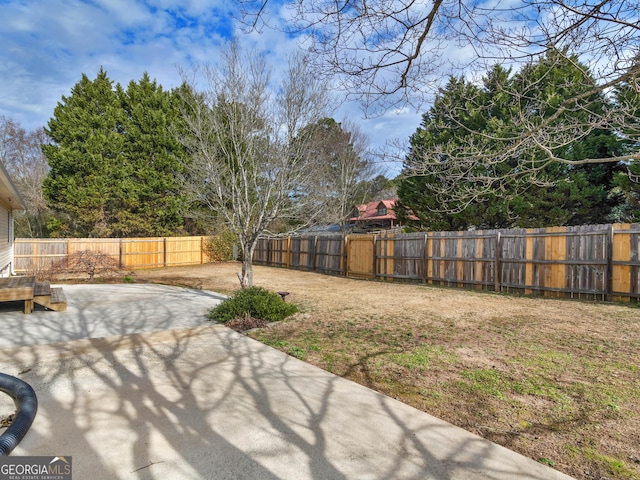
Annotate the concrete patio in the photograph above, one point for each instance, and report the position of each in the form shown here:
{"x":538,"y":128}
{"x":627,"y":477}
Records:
{"x":175,"y":400}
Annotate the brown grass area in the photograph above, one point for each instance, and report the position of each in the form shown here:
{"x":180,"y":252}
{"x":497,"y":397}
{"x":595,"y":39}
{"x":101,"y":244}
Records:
{"x":556,"y":380}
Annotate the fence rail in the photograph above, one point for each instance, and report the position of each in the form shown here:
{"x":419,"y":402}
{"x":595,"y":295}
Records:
{"x":32,"y":255}
{"x":599,"y":262}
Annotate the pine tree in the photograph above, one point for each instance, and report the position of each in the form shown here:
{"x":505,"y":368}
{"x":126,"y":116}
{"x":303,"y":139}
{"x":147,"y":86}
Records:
{"x":627,"y":185}
{"x":116,"y":165}
{"x":150,"y":201}
{"x":484,"y":193}
{"x":87,"y":146}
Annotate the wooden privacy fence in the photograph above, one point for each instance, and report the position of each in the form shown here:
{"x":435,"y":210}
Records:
{"x":590,"y":262}
{"x":32,"y":255}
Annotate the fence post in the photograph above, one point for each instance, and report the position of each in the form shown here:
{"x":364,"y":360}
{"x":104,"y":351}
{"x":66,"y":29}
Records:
{"x":120,"y":254}
{"x":496,"y":271}
{"x":375,"y":256}
{"x":164,"y":252}
{"x":345,"y":253}
{"x":425,"y":258}
{"x":609,"y":272}
{"x":287,"y":253}
{"x":315,"y":253}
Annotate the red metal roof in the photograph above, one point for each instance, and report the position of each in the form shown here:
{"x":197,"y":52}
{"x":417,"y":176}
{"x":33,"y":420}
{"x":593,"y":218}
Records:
{"x":370,"y":211}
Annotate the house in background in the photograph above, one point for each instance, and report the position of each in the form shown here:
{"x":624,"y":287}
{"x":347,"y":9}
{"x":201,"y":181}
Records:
{"x":10,"y":203}
{"x":376,"y":215}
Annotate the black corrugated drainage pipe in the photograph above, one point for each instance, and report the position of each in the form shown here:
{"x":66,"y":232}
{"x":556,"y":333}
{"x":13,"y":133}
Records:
{"x":26,"y":405}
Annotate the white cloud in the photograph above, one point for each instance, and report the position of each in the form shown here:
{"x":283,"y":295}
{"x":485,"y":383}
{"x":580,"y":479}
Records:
{"x":46,"y":50}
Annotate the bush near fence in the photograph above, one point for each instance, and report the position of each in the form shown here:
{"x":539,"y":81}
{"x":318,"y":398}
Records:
{"x":34,"y":255}
{"x":597,"y":262}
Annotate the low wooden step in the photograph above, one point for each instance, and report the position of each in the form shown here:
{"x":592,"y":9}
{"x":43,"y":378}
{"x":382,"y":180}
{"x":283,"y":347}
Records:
{"x":57,"y":295}
{"x":55,"y":301}
{"x":41,"y":288}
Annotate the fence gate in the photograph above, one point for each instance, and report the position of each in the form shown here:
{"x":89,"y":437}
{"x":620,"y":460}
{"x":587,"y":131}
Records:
{"x":361,"y":257}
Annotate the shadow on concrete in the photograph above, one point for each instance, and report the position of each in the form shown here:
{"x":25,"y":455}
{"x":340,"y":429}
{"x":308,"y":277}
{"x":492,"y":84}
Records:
{"x":207,"y":403}
{"x":96,"y":311}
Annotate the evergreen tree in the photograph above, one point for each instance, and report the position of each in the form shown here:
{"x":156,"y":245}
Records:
{"x":438,"y":199}
{"x":466,"y":116}
{"x":579,"y":192}
{"x":148,"y":201}
{"x":115,"y":164}
{"x":87,"y":146}
{"x":627,"y":184}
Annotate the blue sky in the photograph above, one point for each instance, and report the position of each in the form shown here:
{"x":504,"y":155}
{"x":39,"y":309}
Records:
{"x":47,"y":45}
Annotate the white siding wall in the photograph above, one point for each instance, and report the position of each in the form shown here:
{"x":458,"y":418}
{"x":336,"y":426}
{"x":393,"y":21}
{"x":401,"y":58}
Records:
{"x":6,"y":241}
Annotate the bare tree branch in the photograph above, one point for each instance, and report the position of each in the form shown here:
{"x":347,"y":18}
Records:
{"x":389,"y":53}
{"x":21,"y":154}
{"x":245,"y":165}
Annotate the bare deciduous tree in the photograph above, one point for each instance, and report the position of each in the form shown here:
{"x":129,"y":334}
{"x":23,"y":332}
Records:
{"x":246,"y":166}
{"x":339,"y":154}
{"x":501,"y":137}
{"x":397,"y":52}
{"x":21,"y":154}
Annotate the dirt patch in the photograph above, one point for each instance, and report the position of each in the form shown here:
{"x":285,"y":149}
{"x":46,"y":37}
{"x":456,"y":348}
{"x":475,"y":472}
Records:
{"x":246,"y":323}
{"x":556,"y":380}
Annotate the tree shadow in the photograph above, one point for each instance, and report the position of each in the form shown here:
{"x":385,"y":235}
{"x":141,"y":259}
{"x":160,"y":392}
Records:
{"x":207,"y":402}
{"x":107,"y":310}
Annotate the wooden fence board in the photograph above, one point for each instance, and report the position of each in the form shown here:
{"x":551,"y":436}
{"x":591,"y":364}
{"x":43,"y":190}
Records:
{"x":634,"y":273}
{"x":513,"y":265}
{"x":303,"y":252}
{"x":361,"y":256}
{"x":621,"y":255}
{"x":385,"y":256}
{"x":529,"y":266}
{"x":184,"y":251}
{"x":409,"y":257}
{"x":33,"y":254}
{"x":142,"y":253}
{"x":479,"y":266}
{"x":558,"y":255}
{"x":634,"y":261}
{"x":278,"y":251}
{"x":594,"y":261}
{"x":330,"y":254}
{"x":39,"y":254}
{"x":591,"y":262}
{"x":450,"y":261}
{"x":462,"y":266}
{"x":586,"y":261}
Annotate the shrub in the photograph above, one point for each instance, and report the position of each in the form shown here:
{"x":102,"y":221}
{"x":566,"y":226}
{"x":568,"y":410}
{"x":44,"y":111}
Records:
{"x":255,"y":302}
{"x":92,"y":263}
{"x":219,"y":247}
{"x":41,"y":271}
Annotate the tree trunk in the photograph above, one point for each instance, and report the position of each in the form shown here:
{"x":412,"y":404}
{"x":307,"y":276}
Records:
{"x":246,"y":277}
